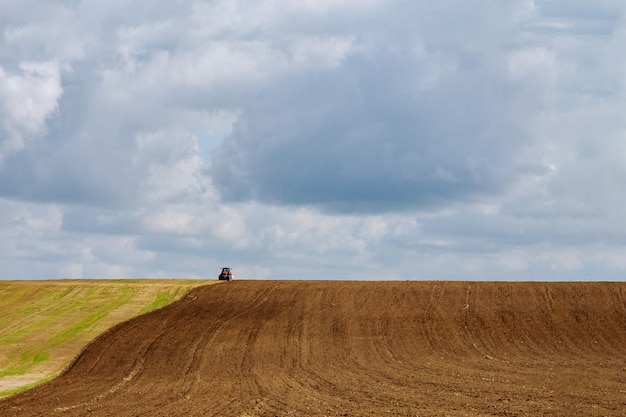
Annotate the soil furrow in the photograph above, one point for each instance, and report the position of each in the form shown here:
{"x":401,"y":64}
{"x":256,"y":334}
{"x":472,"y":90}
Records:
{"x":339,"y":348}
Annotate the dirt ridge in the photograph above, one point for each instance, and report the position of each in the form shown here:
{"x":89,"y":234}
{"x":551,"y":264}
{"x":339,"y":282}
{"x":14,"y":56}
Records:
{"x":355,"y":348}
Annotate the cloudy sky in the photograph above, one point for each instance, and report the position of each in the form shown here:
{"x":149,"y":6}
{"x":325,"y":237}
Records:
{"x":313,"y":139}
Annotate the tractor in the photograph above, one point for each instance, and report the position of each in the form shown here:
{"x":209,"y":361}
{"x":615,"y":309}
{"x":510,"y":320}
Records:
{"x":226,"y":274}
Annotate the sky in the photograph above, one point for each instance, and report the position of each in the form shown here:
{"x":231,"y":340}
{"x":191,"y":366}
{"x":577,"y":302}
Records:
{"x":313,"y":139}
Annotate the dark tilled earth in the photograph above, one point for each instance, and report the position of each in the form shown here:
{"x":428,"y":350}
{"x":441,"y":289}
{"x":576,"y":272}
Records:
{"x":339,"y":348}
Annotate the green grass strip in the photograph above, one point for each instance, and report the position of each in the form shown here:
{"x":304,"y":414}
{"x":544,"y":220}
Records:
{"x":40,"y":320}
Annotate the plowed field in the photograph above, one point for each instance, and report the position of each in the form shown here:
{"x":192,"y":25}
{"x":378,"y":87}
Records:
{"x":328,"y":348}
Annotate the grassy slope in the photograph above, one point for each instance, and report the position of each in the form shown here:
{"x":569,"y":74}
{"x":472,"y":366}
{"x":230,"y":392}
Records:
{"x":44,"y":324}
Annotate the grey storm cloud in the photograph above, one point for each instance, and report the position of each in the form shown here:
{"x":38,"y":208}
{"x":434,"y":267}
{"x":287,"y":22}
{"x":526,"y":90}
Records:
{"x":427,"y":112}
{"x":379,"y":134}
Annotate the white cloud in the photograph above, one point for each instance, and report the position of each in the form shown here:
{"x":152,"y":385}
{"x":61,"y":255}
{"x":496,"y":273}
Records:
{"x":172,"y":166}
{"x":55,"y":39}
{"x":28,"y":99}
{"x":537,"y":62}
{"x":515,"y":260}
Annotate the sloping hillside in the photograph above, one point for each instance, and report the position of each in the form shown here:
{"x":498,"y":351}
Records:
{"x":45,"y":324}
{"x":320,"y":348}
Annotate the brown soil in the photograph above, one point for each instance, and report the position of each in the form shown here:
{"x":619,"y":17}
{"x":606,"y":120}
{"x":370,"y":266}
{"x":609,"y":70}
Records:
{"x":328,"y":348}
